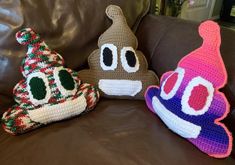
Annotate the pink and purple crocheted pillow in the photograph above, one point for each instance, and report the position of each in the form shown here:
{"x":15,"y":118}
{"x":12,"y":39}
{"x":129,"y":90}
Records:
{"x":188,"y":100}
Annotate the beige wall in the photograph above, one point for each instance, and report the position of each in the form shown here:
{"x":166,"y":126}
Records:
{"x":209,"y":11}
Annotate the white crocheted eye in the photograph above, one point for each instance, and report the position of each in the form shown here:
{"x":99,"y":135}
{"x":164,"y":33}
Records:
{"x":197,"y":96}
{"x":172,"y":83}
{"x":38,"y":88}
{"x":64,"y":81}
{"x":108,"y":57}
{"x":130,"y":61}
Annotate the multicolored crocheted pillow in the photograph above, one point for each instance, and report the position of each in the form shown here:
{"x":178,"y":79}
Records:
{"x":117,"y":68}
{"x":188,"y":100}
{"x":49,"y":92}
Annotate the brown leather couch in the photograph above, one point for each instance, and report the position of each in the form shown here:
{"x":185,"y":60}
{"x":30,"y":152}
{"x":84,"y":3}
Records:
{"x":117,"y":131}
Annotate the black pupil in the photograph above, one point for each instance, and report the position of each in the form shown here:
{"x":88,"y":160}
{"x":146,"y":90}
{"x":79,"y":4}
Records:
{"x":107,"y":57}
{"x":37,"y":88}
{"x":130,"y":57}
{"x":66,"y":80}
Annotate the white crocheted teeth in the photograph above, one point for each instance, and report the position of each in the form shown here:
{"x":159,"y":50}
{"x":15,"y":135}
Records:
{"x":175,"y":123}
{"x":57,"y":112}
{"x":109,"y":59}
{"x":115,"y":87}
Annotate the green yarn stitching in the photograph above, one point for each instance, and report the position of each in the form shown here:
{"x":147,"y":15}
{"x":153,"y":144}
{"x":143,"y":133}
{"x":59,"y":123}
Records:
{"x":37,"y":88}
{"x":66,"y":80}
{"x":26,"y":36}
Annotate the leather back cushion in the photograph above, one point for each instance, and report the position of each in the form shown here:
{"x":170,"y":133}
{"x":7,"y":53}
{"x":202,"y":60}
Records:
{"x":70,"y":27}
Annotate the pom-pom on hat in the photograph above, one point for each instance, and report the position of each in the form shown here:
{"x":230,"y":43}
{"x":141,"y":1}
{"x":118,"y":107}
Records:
{"x":49,"y":92}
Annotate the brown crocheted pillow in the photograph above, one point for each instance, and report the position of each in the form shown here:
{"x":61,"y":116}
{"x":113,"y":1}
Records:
{"x":117,"y":68}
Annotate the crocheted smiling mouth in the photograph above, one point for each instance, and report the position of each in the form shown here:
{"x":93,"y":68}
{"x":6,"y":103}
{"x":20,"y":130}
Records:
{"x":115,"y":87}
{"x":51,"y":113}
{"x":48,"y":92}
{"x":117,"y":67}
{"x":188,"y":99}
{"x":185,"y":128}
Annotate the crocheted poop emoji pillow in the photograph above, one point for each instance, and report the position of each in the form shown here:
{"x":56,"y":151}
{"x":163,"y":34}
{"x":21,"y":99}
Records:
{"x":117,"y":68}
{"x":49,"y":92}
{"x":188,"y":100}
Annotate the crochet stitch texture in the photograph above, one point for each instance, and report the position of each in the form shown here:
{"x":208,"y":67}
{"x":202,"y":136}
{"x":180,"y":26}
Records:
{"x":49,"y":92}
{"x":188,"y":100}
{"x":117,"y":68}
